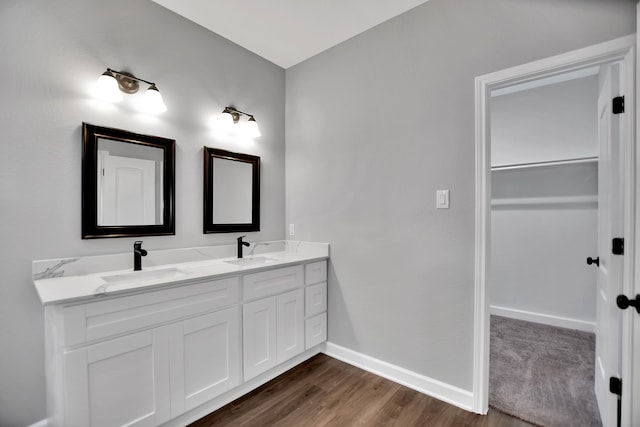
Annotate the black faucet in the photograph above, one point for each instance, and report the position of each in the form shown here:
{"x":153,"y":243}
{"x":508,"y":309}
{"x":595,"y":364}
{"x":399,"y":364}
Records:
{"x":240,"y":244}
{"x":138,"y":253}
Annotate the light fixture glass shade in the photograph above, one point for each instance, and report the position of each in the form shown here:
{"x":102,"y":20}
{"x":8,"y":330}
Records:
{"x":252,"y":128}
{"x":152,"y":101}
{"x":224,"y":123}
{"x":107,"y":88}
{"x":226,"y":119}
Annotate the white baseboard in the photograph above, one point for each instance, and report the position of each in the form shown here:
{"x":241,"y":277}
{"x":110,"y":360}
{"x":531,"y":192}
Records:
{"x":41,"y":423}
{"x":434,"y":388}
{"x":545,"y":319}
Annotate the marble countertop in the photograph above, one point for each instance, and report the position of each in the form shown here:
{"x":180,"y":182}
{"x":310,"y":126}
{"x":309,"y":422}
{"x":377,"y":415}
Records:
{"x":86,"y":281}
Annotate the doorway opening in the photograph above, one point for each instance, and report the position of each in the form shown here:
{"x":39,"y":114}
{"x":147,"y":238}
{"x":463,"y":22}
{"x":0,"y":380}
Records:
{"x":544,"y":220}
{"x":621,"y":52}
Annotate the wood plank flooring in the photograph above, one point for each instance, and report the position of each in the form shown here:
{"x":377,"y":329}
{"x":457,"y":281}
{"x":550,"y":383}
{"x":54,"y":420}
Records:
{"x":327,"y":392}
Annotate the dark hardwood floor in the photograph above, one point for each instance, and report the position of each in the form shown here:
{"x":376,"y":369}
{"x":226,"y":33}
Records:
{"x":327,"y":392}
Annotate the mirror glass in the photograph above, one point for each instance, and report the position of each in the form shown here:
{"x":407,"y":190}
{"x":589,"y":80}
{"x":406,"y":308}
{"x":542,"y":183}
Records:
{"x":128,"y":182}
{"x":231,"y":191}
{"x":232,"y":202}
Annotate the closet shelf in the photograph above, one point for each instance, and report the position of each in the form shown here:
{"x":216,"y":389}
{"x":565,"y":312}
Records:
{"x":546,"y":201}
{"x":547,"y":163}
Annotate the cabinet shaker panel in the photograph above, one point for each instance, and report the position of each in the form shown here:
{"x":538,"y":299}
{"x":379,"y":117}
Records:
{"x":259,"y":336}
{"x":290,"y":321}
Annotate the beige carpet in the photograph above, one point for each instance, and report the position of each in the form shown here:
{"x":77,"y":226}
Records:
{"x":542,"y":374}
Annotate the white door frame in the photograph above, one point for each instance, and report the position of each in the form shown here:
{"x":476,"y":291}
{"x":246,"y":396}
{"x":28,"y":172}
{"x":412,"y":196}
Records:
{"x":631,"y":336}
{"x":615,"y":50}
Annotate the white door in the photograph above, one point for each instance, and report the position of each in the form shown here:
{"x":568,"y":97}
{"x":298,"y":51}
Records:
{"x":120,"y":382}
{"x":290,"y":335}
{"x":259,"y":336}
{"x":127,"y":191}
{"x":205,"y":358}
{"x":610,"y":225}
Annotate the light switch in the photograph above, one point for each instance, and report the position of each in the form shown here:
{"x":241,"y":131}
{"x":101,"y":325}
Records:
{"x":442,"y":199}
{"x":292,"y":230}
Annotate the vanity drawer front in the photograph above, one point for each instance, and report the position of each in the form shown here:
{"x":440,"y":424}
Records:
{"x":272,"y":282}
{"x":315,"y":330}
{"x":315,"y":272}
{"x":102,"y":319}
{"x":315,"y":299}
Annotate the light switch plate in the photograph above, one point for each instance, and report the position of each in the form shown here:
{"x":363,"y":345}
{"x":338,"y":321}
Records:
{"x":442,"y":199}
{"x":292,"y":230}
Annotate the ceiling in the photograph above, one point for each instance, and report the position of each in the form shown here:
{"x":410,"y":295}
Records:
{"x":287,"y":32}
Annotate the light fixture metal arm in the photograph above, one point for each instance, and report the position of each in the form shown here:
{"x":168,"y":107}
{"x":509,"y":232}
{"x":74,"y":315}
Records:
{"x":233,"y":110}
{"x":129,"y":76}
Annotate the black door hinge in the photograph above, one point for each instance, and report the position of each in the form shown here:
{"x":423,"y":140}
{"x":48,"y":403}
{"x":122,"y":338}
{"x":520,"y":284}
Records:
{"x":617,"y":246}
{"x":615,"y":386}
{"x":618,"y":105}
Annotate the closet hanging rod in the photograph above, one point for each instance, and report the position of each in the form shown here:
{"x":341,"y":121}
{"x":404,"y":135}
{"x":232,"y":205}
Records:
{"x":547,"y":163}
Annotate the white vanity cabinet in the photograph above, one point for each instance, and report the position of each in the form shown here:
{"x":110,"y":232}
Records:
{"x":273,"y":325}
{"x":171,"y":354}
{"x":142,"y":359}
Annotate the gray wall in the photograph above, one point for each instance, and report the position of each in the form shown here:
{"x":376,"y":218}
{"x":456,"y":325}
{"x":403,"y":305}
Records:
{"x":52,"y":53}
{"x":374,"y":127}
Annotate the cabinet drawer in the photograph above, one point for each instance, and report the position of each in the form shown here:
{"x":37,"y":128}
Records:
{"x":315,"y":299}
{"x":315,"y":330}
{"x":102,"y":319}
{"x":271,"y":282}
{"x":315,"y":272}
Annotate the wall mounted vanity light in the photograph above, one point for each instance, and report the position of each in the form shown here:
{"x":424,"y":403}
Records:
{"x":111,"y":83}
{"x":231,"y":116}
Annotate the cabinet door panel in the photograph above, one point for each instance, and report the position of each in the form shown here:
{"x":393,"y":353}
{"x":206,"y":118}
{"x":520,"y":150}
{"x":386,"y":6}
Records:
{"x":259,"y":337}
{"x":290,"y":334}
{"x":123,"y":381}
{"x":205,"y":358}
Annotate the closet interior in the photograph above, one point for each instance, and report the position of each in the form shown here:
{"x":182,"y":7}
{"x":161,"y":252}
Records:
{"x":544,"y":226}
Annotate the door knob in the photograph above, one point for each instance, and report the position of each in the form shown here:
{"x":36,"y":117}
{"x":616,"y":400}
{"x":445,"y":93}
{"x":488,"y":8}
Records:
{"x":595,"y":261}
{"x":623,"y":302}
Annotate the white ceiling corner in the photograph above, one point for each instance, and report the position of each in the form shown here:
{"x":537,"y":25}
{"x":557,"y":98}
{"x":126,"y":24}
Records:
{"x":287,"y":32}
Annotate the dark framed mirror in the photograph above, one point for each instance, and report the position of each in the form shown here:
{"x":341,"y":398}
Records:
{"x":128,"y":183}
{"x":231,"y":191}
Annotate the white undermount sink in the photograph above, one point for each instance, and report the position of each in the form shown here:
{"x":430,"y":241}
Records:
{"x":256,"y":260}
{"x":145,"y":275}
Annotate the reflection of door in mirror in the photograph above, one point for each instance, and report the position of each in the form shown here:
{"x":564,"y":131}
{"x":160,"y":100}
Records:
{"x":126,"y":191}
{"x":129,"y":184}
{"x":232,"y":182}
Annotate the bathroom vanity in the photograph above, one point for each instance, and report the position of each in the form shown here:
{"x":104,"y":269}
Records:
{"x":171,"y":343}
